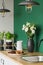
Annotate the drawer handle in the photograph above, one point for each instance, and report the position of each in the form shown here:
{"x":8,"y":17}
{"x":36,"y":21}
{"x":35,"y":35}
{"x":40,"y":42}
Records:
{"x":3,"y":62}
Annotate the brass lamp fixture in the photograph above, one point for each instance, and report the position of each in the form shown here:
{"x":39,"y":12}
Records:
{"x":3,"y":10}
{"x":28,"y":4}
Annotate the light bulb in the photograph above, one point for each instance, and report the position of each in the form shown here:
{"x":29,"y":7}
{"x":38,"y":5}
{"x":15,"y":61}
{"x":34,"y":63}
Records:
{"x":28,"y":8}
{"x":2,"y":14}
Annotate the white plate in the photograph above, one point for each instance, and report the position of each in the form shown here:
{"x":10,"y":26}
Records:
{"x":33,"y":58}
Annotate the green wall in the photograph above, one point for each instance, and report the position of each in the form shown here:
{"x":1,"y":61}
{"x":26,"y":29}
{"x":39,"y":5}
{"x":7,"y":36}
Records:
{"x":36,"y":17}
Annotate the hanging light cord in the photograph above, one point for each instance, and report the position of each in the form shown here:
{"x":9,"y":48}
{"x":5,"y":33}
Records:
{"x":3,"y":4}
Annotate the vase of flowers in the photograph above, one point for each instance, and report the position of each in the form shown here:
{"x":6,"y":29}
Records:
{"x":30,"y":31}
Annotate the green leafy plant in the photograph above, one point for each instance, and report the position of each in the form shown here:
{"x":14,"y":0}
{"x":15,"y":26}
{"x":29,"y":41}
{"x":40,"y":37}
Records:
{"x":9,"y":35}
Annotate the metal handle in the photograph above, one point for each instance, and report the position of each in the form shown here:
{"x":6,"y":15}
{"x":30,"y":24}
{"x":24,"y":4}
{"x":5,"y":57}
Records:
{"x":2,"y":61}
{"x":40,"y":42}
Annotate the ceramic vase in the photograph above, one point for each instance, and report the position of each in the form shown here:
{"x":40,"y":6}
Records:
{"x":30,"y":45}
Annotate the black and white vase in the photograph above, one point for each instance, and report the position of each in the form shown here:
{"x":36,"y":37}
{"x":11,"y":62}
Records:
{"x":30,"y":45}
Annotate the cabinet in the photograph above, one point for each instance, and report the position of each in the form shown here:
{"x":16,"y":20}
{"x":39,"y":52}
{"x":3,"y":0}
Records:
{"x":5,"y":60}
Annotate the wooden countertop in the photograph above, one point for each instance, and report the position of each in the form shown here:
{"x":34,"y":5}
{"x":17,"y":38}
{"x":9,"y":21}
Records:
{"x":17,"y":58}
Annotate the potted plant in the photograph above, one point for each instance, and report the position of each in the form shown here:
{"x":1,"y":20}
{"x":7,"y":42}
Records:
{"x":9,"y":37}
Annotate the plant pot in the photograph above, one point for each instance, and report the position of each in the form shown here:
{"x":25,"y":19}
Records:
{"x":9,"y":42}
{"x":30,"y":45}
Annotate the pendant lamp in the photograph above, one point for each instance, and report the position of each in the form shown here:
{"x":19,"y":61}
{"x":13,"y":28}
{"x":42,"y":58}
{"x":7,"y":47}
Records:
{"x":3,"y":9}
{"x":28,"y":4}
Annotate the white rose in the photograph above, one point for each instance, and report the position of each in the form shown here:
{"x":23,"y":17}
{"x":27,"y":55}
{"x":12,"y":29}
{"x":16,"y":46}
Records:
{"x":28,"y":24}
{"x":33,"y":31}
{"x":26,"y":29}
{"x":32,"y":28}
{"x":23,"y":28}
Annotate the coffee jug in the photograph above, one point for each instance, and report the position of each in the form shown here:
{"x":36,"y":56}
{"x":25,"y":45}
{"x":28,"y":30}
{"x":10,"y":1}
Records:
{"x":19,"y":45}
